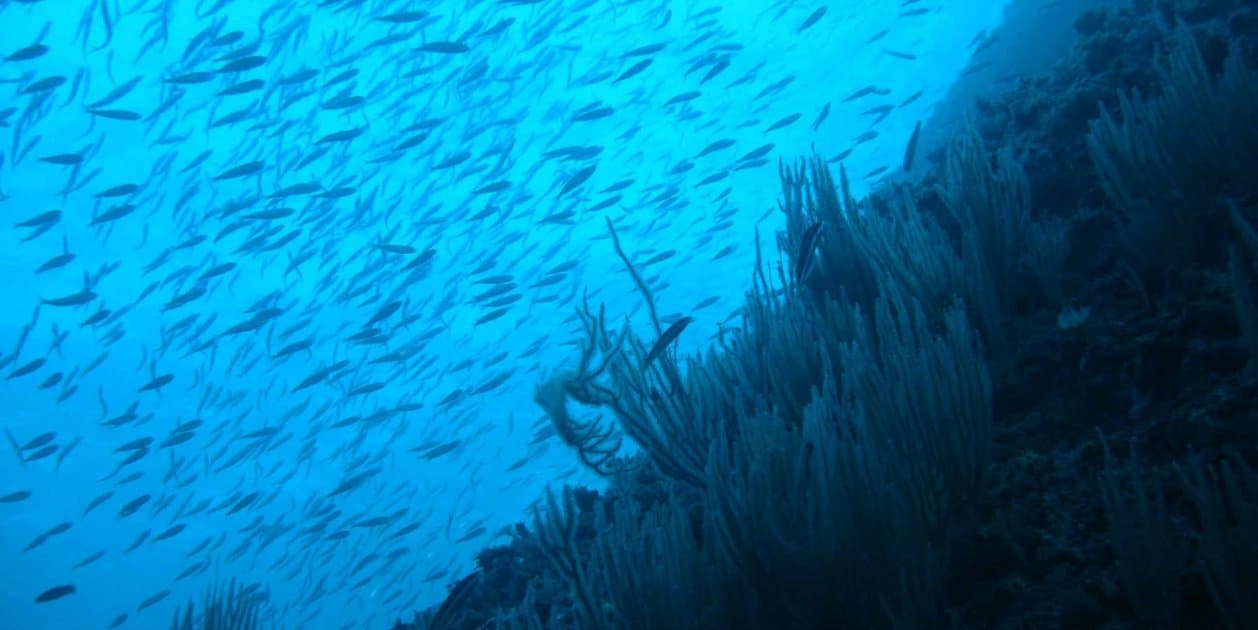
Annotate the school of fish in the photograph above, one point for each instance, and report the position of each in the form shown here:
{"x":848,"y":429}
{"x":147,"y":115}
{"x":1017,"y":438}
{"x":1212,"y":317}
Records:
{"x":279,"y":277}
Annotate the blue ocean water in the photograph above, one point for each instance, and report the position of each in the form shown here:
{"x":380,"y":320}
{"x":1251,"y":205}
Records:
{"x":279,"y":278}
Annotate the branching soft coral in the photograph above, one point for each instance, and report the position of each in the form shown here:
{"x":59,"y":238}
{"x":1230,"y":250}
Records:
{"x":232,"y":606}
{"x":596,"y":443}
{"x":1166,"y":161}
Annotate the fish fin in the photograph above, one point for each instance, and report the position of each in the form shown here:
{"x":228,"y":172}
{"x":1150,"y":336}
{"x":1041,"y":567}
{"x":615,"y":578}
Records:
{"x":17,"y":450}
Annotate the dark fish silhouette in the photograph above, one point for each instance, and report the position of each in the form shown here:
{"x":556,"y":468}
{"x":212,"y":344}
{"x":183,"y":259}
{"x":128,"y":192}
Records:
{"x":910,"y":152}
{"x":14,"y":497}
{"x":577,"y":179}
{"x":74,"y":299}
{"x":811,"y":19}
{"x":633,"y":70}
{"x":27,"y":52}
{"x":448,"y":48}
{"x":666,"y":339}
{"x":807,"y":251}
{"x":56,"y":592}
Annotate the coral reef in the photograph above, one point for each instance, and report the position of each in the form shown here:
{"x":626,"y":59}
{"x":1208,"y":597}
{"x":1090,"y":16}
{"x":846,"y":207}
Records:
{"x":1016,"y":393}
